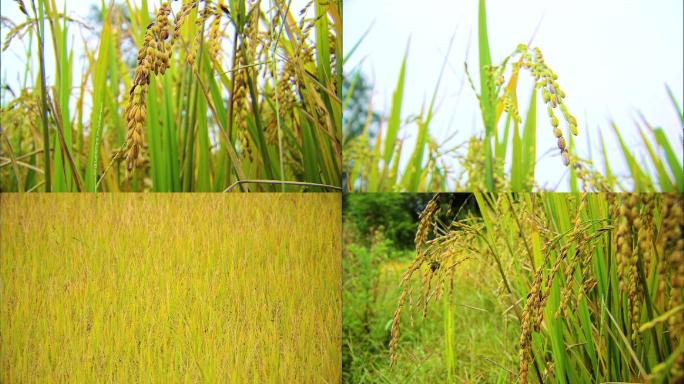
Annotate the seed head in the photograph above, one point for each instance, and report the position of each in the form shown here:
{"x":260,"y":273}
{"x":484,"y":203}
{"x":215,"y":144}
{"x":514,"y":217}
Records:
{"x":153,"y":58}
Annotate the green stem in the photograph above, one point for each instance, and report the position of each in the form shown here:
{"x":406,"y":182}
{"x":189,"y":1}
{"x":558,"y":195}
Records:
{"x":43,"y":93}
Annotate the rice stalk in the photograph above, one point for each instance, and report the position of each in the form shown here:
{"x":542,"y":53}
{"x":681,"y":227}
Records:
{"x":599,"y":280}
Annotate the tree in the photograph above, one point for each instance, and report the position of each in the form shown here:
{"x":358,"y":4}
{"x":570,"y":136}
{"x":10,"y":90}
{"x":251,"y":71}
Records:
{"x":356,"y":112}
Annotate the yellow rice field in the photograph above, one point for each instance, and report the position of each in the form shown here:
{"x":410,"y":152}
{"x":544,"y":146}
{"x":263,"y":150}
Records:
{"x":170,"y":288}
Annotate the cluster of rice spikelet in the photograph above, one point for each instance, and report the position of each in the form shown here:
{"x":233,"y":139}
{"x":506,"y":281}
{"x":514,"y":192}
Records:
{"x":214,"y":41}
{"x":215,"y":91}
{"x":245,"y":55}
{"x":627,"y":256}
{"x":204,"y":15}
{"x":438,"y":259}
{"x":641,"y":234}
{"x":425,"y":222}
{"x":421,"y":236}
{"x":153,"y":58}
{"x":553,"y":95}
{"x":672,"y":269}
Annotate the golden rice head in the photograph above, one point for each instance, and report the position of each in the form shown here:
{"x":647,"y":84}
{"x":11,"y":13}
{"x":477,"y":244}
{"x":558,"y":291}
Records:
{"x":627,"y":257}
{"x":214,"y":41}
{"x":406,"y":294}
{"x":181,"y":16}
{"x":136,"y":113}
{"x":153,"y":58}
{"x":671,"y":270}
{"x":530,"y":316}
{"x":577,"y":260}
{"x":425,"y":222}
{"x":206,"y":12}
{"x":241,"y":108}
{"x":645,"y":230}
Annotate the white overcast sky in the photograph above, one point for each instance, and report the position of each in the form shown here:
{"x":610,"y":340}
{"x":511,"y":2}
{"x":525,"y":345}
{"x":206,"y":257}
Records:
{"x":613,"y":58}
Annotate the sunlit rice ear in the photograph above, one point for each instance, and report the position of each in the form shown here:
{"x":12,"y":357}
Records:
{"x":153,"y":58}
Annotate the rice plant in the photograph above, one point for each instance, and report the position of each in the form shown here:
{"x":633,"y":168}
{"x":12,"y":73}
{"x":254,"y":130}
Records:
{"x":593,"y":282}
{"x":174,"y":96}
{"x":169,"y":288}
{"x":505,"y":155}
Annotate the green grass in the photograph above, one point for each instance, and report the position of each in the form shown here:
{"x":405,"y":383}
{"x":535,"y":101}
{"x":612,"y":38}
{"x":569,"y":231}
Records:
{"x":481,"y":336}
{"x":169,"y":288}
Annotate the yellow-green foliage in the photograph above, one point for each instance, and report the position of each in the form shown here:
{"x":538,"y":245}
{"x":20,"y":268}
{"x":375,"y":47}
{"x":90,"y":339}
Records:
{"x":176,"y":96}
{"x":594,"y":280}
{"x":170,"y":288}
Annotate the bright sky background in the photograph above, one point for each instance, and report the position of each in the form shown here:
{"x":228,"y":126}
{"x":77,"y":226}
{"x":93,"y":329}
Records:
{"x":613,"y":58}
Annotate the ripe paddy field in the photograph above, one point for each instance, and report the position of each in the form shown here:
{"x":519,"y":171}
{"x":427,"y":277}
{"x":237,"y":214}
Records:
{"x":170,"y":288}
